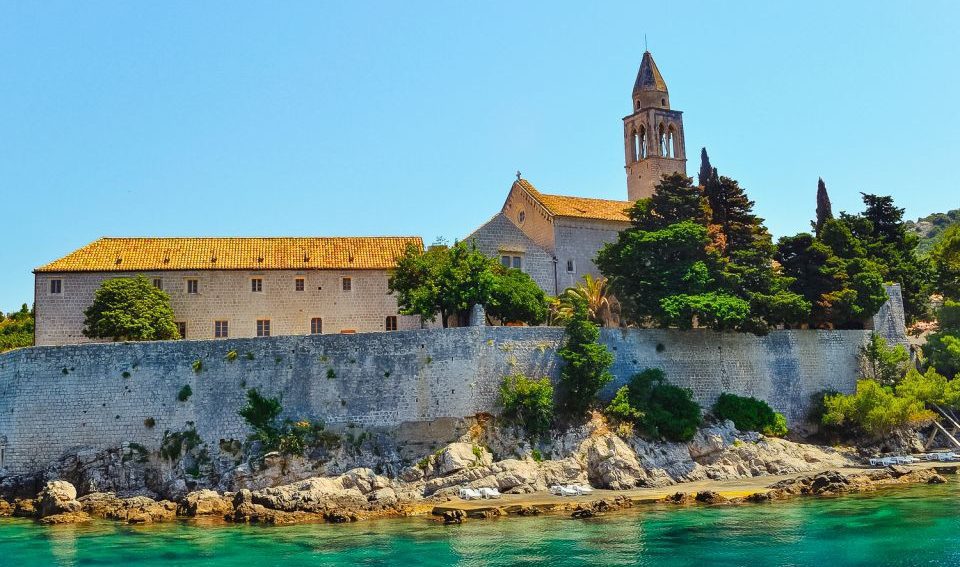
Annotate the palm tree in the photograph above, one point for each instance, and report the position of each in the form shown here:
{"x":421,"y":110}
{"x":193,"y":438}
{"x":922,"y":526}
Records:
{"x":603,"y":307}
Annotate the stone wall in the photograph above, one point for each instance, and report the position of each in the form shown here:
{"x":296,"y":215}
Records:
{"x":53,"y":399}
{"x":499,"y":236}
{"x":226,"y":295}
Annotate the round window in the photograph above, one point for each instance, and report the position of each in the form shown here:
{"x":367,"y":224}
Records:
{"x":521,"y":216}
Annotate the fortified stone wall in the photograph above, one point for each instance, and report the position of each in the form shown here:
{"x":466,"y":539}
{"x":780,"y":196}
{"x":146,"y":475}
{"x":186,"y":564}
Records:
{"x":53,"y":399}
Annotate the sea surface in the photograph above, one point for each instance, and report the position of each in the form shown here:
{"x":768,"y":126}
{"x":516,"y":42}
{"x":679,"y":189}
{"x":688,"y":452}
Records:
{"x":909,"y":526}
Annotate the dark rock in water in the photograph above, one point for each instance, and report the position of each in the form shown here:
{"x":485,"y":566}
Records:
{"x":453,"y":516}
{"x":678,"y":498}
{"x":936,"y":479}
{"x":339,"y":518}
{"x":528,"y":511}
{"x":581,"y":513}
{"x":710,"y":497}
{"x":758,"y":497}
{"x":24,"y":508}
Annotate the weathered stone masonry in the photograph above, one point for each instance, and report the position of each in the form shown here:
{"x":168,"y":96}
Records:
{"x":53,"y":399}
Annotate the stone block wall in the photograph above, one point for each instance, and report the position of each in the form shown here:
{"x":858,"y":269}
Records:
{"x":53,"y":399}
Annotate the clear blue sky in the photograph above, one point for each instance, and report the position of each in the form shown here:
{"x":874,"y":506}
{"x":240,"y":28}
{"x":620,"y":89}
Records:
{"x":353,"y":118}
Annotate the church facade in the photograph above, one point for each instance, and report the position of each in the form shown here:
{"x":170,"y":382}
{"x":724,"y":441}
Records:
{"x":555,"y":238}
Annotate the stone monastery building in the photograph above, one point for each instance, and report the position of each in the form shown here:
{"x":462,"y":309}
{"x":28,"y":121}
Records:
{"x":555,"y":238}
{"x":250,"y":287}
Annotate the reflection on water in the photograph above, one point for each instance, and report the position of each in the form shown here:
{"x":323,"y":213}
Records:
{"x":913,"y":526}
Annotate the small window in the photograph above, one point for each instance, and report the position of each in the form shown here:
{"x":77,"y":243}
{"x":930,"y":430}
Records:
{"x":517,"y":262}
{"x":522,"y":216}
{"x":298,"y":284}
{"x":256,"y":285}
{"x":220,"y":329}
{"x":347,"y":284}
{"x":182,"y":329}
{"x":316,"y":326}
{"x":571,"y":267}
{"x":391,"y":322}
{"x":505,"y":260}
{"x":193,"y":286}
{"x":263,"y":327}
{"x":663,"y":102}
{"x":56,"y":286}
{"x":158,"y":283}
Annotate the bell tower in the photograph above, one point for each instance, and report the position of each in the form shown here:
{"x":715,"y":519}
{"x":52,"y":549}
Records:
{"x":653,"y":134}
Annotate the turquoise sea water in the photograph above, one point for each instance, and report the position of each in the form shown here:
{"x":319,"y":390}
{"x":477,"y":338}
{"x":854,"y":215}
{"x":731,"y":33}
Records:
{"x":914,"y":526}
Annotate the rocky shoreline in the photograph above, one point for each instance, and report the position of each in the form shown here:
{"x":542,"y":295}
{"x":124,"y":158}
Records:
{"x":625,"y":470}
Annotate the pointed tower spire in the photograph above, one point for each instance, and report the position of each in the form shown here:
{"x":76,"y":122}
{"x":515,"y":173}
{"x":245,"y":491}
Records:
{"x":650,"y":90}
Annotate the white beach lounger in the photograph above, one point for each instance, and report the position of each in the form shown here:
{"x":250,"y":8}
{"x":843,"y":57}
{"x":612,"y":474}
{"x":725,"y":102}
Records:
{"x":470,"y":494}
{"x":582,"y":488}
{"x":490,"y":492}
{"x":568,"y":491}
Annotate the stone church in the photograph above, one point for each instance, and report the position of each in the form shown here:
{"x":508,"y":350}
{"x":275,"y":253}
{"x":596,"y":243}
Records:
{"x":555,"y":238}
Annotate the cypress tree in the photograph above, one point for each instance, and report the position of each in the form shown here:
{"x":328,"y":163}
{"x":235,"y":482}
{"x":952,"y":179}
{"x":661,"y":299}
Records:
{"x":824,"y":210}
{"x":706,"y":171}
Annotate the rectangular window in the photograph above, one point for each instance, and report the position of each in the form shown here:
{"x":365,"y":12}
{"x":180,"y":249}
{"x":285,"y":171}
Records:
{"x":298,"y":284}
{"x":263,"y":327}
{"x":56,"y":286}
{"x":182,"y":329}
{"x":391,"y":322}
{"x":505,"y":260}
{"x":256,"y":285}
{"x":221,"y":329}
{"x":347,"y":284}
{"x":193,"y":286}
{"x":316,"y":326}
{"x":158,"y":283}
{"x":517,"y":262}
{"x":571,"y":267}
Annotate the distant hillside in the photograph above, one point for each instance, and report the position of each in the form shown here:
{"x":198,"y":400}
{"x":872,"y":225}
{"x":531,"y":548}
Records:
{"x":930,"y":227}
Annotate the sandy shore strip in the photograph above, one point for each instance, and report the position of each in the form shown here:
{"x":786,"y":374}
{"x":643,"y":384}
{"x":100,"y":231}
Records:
{"x":730,"y":488}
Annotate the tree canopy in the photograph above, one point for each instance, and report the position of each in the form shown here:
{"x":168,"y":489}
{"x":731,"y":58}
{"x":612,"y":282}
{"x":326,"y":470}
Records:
{"x":586,"y":363}
{"x":449,"y":281}
{"x":699,"y":256}
{"x":16,"y":329}
{"x":945,"y":261}
{"x":130,"y":309}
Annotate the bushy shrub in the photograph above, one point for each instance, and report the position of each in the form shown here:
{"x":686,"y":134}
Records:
{"x":620,"y":409}
{"x":750,"y":414}
{"x":943,"y":347}
{"x":883,"y":363}
{"x":586,"y":363}
{"x":527,"y":402}
{"x":184,"y":393}
{"x":288,"y":437}
{"x":660,"y":409}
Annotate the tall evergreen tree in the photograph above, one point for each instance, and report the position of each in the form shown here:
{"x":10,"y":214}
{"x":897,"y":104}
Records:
{"x":824,"y":209}
{"x":676,"y":199}
{"x":706,"y":170}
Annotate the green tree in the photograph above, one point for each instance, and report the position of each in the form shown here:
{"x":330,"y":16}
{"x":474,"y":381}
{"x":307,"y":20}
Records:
{"x":449,"y":281}
{"x":586,"y":364}
{"x":16,"y":329}
{"x":602,"y":308}
{"x":942,"y":349}
{"x":945,"y":263}
{"x":527,"y":402}
{"x":130,"y":309}
{"x":885,"y":364}
{"x":824,"y":209}
{"x":516,"y":298}
{"x":620,"y":409}
{"x":875,"y":408}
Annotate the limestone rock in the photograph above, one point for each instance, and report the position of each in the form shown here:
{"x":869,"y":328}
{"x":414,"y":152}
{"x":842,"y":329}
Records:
{"x":24,"y":508}
{"x":204,"y":503}
{"x":458,"y":456}
{"x":57,"y":497}
{"x":66,"y":518}
{"x":6,"y":509}
{"x":611,"y":463}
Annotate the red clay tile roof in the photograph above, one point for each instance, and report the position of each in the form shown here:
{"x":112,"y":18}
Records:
{"x":283,"y":253}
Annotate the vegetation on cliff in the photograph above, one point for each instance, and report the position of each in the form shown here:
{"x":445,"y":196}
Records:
{"x":659,"y":409}
{"x":750,"y":414}
{"x":130,"y":309}
{"x":528,"y":403}
{"x":586,"y":364}
{"x":16,"y":329}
